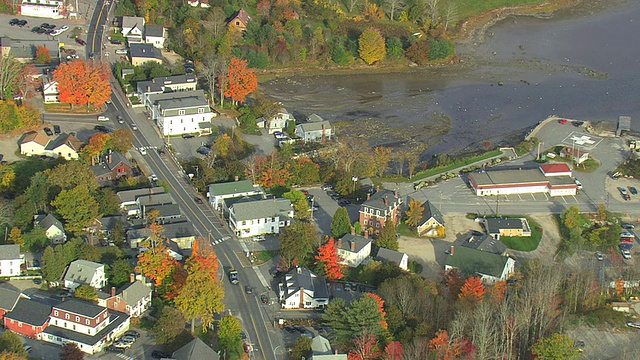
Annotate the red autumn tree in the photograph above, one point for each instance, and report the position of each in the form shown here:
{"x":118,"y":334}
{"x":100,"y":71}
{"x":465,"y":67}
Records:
{"x":328,"y":255}
{"x":497,"y":290}
{"x":394,"y":351}
{"x":473,"y":290}
{"x":377,"y":298}
{"x":26,"y":82}
{"x":203,"y":254}
{"x":442,"y":346}
{"x":156,"y":263}
{"x":241,"y":80}
{"x":83,"y":82}
{"x":43,"y":55}
{"x":365,"y":348}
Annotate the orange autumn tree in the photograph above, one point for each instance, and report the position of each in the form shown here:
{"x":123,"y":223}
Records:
{"x":43,"y":55}
{"x":241,"y":80}
{"x":96,"y":145}
{"x":443,"y":347}
{"x":383,"y":314}
{"x":473,"y":290}
{"x":204,"y":256}
{"x":497,"y":290}
{"x":156,"y":262}
{"x":83,"y":82}
{"x":328,"y":255}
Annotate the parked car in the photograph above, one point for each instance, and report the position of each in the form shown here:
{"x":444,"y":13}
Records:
{"x":161,"y":152}
{"x":113,"y":348}
{"x":279,"y":135}
{"x":624,"y":193}
{"x":122,"y":51}
{"x":48,"y":26}
{"x":264,"y":299}
{"x":153,"y":177}
{"x":115,"y":42}
{"x":625,"y":246}
{"x":133,"y":333}
{"x":27,"y":348}
{"x":579,"y":184}
{"x":81,"y":42}
{"x":121,"y":345}
{"x":102,"y":129}
{"x":103,"y":118}
{"x":233,"y":277}
{"x":56,"y":129}
{"x":633,"y":324}
{"x":628,"y":226}
{"x":259,"y":238}
{"x":187,"y":136}
{"x":633,"y":190}
{"x":36,"y":29}
{"x":627,"y":239}
{"x":128,"y":339}
{"x":327,"y":187}
{"x":627,"y":234}
{"x":48,"y":131}
{"x":13,"y":22}
{"x":577,"y":123}
{"x":625,"y":254}
{"x":562,"y":121}
{"x":22,"y":23}
{"x":599,"y":256}
{"x":203,"y":150}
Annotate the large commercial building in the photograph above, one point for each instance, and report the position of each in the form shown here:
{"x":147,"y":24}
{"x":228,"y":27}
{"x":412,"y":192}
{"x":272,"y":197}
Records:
{"x":552,"y":179}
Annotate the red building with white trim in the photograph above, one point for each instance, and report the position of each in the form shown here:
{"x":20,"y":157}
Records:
{"x":28,"y":318}
{"x":552,"y":179}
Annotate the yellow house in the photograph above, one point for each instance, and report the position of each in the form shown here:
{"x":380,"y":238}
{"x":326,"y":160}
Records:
{"x":432,"y":223}
{"x":497,"y":227}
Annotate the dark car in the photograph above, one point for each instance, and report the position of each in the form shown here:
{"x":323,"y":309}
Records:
{"x":187,"y":136}
{"x":625,"y":246}
{"x":40,"y":30}
{"x":114,"y":349}
{"x":22,"y":23}
{"x":248,"y":289}
{"x":289,"y":328}
{"x":115,"y":42}
{"x":13,"y":22}
{"x":161,"y":152}
{"x":56,"y":129}
{"x":157,"y":354}
{"x":344,"y":202}
{"x":81,"y":42}
{"x":198,"y":200}
{"x":578,"y":123}
{"x":45,"y":26}
{"x":36,"y":29}
{"x":48,"y":131}
{"x":633,"y":190}
{"x":37,"y":281}
{"x":264,"y":299}
{"x":132,"y":333}
{"x":100,"y":128}
{"x":203,"y":150}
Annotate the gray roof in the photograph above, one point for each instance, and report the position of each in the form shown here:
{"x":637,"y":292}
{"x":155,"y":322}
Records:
{"x":174,"y":230}
{"x":504,"y":176}
{"x":476,"y":262}
{"x":234,"y":200}
{"x":430,"y":211}
{"x":390,"y":255}
{"x":314,"y":118}
{"x":80,"y":307}
{"x":158,"y":84}
{"x":315,"y":126}
{"x":164,"y":210}
{"x":115,"y":320}
{"x":154,"y":30}
{"x":133,"y":21}
{"x":107,"y":223}
{"x":155,"y":199}
{"x":47,"y":221}
{"x":155,"y":98}
{"x":30,"y":312}
{"x":105,"y":166}
{"x":261,"y":209}
{"x":304,"y":278}
{"x":182,"y":102}
{"x":26,"y":49}
{"x":81,"y":271}
{"x":132,"y":195}
{"x":345,"y":242}
{"x":146,"y":51}
{"x":62,"y":139}
{"x":195,"y":350}
{"x":486,"y":243}
{"x":494,"y":225}
{"x":321,"y":346}
{"x":134,"y":292}
{"x":8,"y":298}
{"x":230,"y":188}
{"x":376,"y":200}
{"x":9,"y":252}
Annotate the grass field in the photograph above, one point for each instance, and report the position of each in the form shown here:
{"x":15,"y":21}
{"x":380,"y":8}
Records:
{"x":525,"y":243}
{"x":469,"y":8}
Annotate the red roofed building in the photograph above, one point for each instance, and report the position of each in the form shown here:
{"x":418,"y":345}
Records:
{"x":240,"y":20}
{"x":559,"y":169}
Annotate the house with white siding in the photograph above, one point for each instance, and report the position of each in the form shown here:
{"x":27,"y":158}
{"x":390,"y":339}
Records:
{"x":259,"y":217}
{"x":181,"y":113}
{"x":10,"y":260}
{"x":302,"y":289}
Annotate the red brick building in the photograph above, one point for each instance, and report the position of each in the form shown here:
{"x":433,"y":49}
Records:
{"x":28,"y":318}
{"x":379,"y":207}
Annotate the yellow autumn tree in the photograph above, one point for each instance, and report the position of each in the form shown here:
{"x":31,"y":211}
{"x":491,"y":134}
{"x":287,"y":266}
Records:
{"x":371,"y":46}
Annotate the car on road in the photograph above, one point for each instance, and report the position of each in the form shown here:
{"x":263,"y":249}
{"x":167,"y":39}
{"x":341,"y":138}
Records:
{"x":161,"y":152}
{"x":81,"y":42}
{"x":264,"y":299}
{"x":628,"y":226}
{"x":120,"y":119}
{"x":56,"y":129}
{"x":259,"y":238}
{"x":625,"y":254}
{"x":599,"y":256}
{"x":103,"y":118}
{"x":157,"y":354}
{"x":102,"y":129}
{"x":198,"y":200}
{"x":578,"y":184}
{"x":134,"y":127}
{"x":248,"y":289}
{"x":143,"y":151}
{"x":233,"y":277}
{"x":327,"y":187}
{"x":633,"y":190}
{"x":187,"y":136}
{"x":243,"y":335}
{"x":48,"y":131}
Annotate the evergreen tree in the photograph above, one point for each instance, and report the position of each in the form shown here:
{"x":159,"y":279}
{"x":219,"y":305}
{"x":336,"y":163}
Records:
{"x":340,"y":225}
{"x":388,"y":238}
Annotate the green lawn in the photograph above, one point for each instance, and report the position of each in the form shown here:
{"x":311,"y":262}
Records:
{"x":406,"y":230}
{"x":264,"y":256}
{"x":524,"y":243}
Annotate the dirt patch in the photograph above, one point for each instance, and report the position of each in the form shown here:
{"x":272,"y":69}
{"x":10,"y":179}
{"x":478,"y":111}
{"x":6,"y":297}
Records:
{"x":548,"y":244}
{"x":607,"y":344}
{"x":9,"y":146}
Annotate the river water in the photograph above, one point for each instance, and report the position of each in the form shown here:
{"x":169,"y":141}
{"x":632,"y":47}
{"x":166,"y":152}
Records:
{"x":523,"y":71}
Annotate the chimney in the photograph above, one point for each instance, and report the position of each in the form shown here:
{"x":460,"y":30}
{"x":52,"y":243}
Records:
{"x":377,"y":188}
{"x":452,"y":250}
{"x":148,"y":88}
{"x":353,"y":246}
{"x":396,"y":194}
{"x":386,"y":201}
{"x":368,"y":196}
{"x":301,"y":297}
{"x":150,"y":191}
{"x":236,"y":178}
{"x":339,"y":243}
{"x":109,"y":158}
{"x":113,"y":291}
{"x":132,"y":277}
{"x":366,"y":234}
{"x":353,"y":230}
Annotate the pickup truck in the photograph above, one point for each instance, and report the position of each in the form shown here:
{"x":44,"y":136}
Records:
{"x":233,"y":277}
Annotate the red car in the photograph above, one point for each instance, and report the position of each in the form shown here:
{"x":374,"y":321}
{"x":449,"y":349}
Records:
{"x":81,"y":42}
{"x":198,"y":200}
{"x":627,"y":239}
{"x":562,"y":121}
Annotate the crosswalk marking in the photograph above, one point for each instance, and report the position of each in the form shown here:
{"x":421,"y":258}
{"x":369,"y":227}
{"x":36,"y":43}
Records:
{"x":125,"y":357}
{"x":218,"y":241}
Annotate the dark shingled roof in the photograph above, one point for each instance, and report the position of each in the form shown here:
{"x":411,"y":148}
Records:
{"x":390,"y":255}
{"x":495,"y":224}
{"x":80,"y":307}
{"x":376,"y":200}
{"x":62,"y":139}
{"x":115,"y":319}
{"x":430,"y":211}
{"x":9,"y":252}
{"x":8,"y":298}
{"x":486,"y":243}
{"x":472,"y":261}
{"x":30,"y":312}
{"x":154,"y":30}
{"x":304,"y":278}
{"x":195,"y":350}
{"x":146,"y":51}
{"x":347,"y":239}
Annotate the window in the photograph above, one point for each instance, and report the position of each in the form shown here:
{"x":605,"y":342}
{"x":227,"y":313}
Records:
{"x":181,"y":121}
{"x":377,"y":225}
{"x":74,"y":326}
{"x":66,"y":316}
{"x":200,"y":110}
{"x":87,"y":322}
{"x":180,"y":112}
{"x":365,"y":222}
{"x":19,"y":324}
{"x":89,"y":331}
{"x":378,"y":212}
{"x":56,"y":321}
{"x":77,"y":318}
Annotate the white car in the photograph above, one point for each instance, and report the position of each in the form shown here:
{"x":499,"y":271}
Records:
{"x":259,"y":238}
{"x":103,"y":118}
{"x":59,"y":30}
{"x":634,"y":324}
{"x":625,"y":254}
{"x":143,"y":151}
{"x":627,"y":234}
{"x":134,"y":126}
{"x":122,"y":51}
{"x":153,"y":177}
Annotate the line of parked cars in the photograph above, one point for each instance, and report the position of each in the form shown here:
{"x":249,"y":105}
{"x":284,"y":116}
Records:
{"x":625,"y":193}
{"x":125,"y":342}
{"x":17,"y":22}
{"x":627,"y":238}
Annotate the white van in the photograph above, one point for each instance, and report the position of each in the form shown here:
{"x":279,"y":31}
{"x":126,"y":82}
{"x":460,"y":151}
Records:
{"x":122,"y":51}
{"x":103,"y":118}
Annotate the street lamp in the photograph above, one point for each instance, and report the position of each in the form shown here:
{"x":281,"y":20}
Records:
{"x":355,"y":180}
